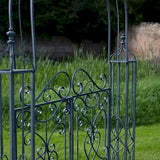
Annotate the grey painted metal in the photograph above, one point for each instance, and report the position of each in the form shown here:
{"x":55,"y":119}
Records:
{"x":79,"y":106}
{"x":123,"y":144}
{"x":33,"y":116}
{"x":1,"y":123}
{"x":71,"y":131}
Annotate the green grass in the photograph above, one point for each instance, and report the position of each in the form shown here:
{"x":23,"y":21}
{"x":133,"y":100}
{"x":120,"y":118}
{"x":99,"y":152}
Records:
{"x":147,"y":143}
{"x":148,"y":91}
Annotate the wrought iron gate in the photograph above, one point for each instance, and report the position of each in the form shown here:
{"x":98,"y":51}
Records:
{"x":86,"y":116}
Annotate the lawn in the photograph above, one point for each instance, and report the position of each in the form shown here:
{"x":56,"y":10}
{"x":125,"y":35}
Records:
{"x":148,"y":99}
{"x":147,"y":142}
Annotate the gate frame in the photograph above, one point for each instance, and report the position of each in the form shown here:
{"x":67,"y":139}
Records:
{"x":12,"y":71}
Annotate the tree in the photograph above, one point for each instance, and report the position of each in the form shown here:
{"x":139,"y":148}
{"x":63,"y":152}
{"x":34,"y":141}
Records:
{"x":77,"y":19}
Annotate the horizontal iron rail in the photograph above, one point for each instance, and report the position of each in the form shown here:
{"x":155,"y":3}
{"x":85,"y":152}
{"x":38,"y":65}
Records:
{"x":64,"y":99}
{"x":122,"y":61}
{"x":17,"y":71}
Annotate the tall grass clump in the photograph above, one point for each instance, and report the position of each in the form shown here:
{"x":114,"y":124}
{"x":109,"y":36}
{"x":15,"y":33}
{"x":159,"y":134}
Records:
{"x":148,"y":90}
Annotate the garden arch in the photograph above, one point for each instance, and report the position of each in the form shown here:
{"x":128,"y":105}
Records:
{"x":74,"y":112}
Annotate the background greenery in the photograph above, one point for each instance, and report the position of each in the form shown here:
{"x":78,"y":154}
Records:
{"x":77,"y":19}
{"x":148,"y":100}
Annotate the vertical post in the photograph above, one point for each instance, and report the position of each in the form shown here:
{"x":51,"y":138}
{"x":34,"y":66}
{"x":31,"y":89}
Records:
{"x":126,"y":80}
{"x":71,"y":134}
{"x":12,"y":118}
{"x":109,"y":43}
{"x":23,"y":140}
{"x":11,"y":44}
{"x":33,"y":33}
{"x":134,"y":108}
{"x":118,"y":84}
{"x":126,"y":109}
{"x":109,"y":125}
{"x":33,"y":81}
{"x":1,"y":123}
{"x":118,"y":108}
{"x":33,"y":115}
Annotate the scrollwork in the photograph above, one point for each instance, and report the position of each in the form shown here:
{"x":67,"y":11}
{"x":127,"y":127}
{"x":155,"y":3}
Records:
{"x":4,"y":157}
{"x":89,"y":86}
{"x":23,"y":119}
{"x":25,"y":90}
{"x":90,"y":140}
{"x":22,"y":157}
{"x":46,"y":112}
{"x":49,"y":92}
{"x":57,"y":104}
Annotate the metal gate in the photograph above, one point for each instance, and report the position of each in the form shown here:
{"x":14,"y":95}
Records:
{"x":91,"y":121}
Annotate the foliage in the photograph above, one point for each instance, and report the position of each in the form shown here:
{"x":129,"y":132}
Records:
{"x":148,"y":101}
{"x":78,"y":19}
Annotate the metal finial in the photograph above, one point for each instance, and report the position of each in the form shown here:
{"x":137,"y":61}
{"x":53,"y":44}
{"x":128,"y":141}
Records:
{"x":11,"y":34}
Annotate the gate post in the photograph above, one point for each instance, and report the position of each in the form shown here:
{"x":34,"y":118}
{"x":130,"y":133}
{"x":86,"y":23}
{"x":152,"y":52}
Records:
{"x":123,"y":105}
{"x":33,"y":115}
{"x":11,"y":112}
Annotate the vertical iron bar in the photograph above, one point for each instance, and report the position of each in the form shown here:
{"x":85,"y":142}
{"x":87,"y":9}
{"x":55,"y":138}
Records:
{"x":10,"y":14}
{"x":117,"y":29}
{"x":109,"y":43}
{"x":118,"y":84}
{"x":113,"y":86}
{"x":15,"y":134}
{"x":126,"y":30}
{"x":33,"y":33}
{"x":109,"y":29}
{"x":77,"y":134}
{"x":23,"y":141}
{"x":33,"y":116}
{"x":126,"y":109}
{"x":132,"y":84}
{"x":134,"y":108}
{"x":11,"y":44}
{"x":109,"y":125}
{"x":110,"y":82}
{"x":71,"y":134}
{"x":118,"y":107}
{"x":126,"y":79}
{"x":1,"y":123}
{"x":12,"y":118}
{"x":65,"y":141}
{"x":46,"y":138}
{"x":20,"y":28}
{"x":105,"y":124}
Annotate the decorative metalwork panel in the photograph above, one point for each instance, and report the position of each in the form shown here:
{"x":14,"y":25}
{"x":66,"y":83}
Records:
{"x":123,"y":104}
{"x":67,"y":117}
{"x":75,"y":120}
